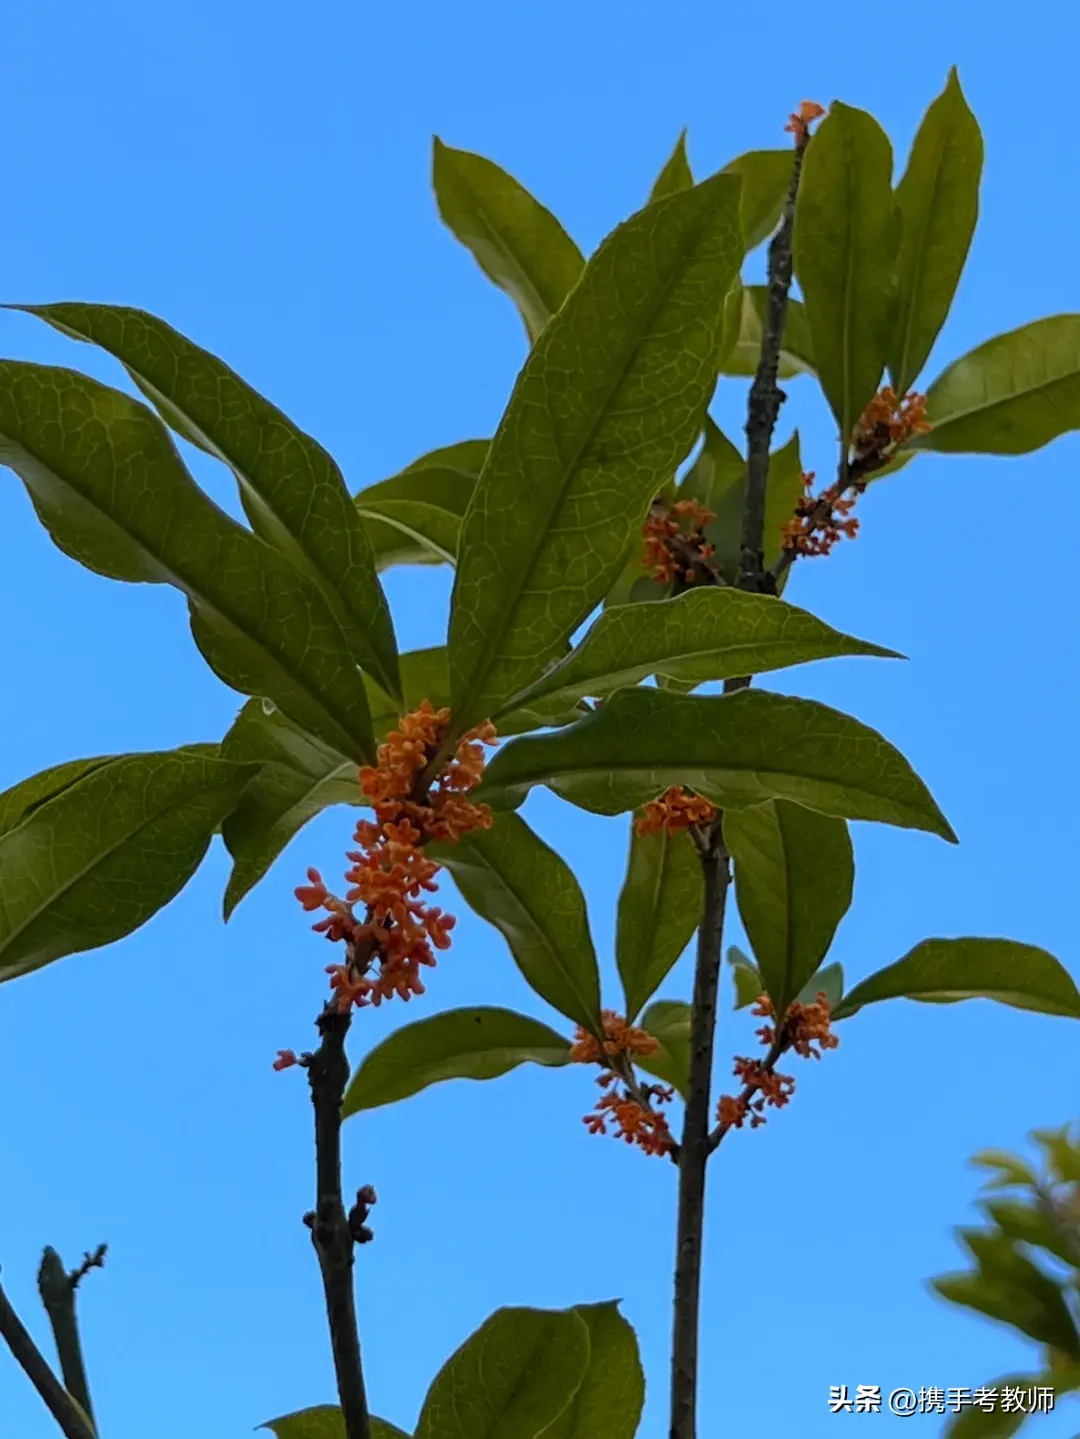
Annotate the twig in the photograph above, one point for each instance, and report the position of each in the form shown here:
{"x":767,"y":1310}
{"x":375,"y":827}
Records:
{"x":694,"y":1150}
{"x":57,"y":1289}
{"x":766,"y":396}
{"x":72,"y":1421}
{"x":768,"y":1064}
{"x":333,"y":1232}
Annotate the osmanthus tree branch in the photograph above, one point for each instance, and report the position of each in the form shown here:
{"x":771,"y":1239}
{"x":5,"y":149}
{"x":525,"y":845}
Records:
{"x":333,"y":1231}
{"x":749,"y":1092}
{"x":766,"y":396}
{"x":694,"y":1148}
{"x":69,"y":1416}
{"x":58,"y":1289}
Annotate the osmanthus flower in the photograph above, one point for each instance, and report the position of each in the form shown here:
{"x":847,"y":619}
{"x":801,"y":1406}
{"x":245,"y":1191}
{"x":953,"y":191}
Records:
{"x":675,"y":809}
{"x":675,"y":543}
{"x":626,"y":1103}
{"x":389,"y":931}
{"x":803,"y":1027}
{"x":821,"y":521}
{"x":799,"y":123}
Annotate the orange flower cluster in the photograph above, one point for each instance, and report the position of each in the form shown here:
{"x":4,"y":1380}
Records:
{"x":819,"y":523}
{"x":676,"y":809}
{"x":636,"y":1119}
{"x":672,"y":551}
{"x":799,"y":123}
{"x":636,"y":1123}
{"x":804,"y":1026}
{"x":398,"y":934}
{"x":885,"y":423}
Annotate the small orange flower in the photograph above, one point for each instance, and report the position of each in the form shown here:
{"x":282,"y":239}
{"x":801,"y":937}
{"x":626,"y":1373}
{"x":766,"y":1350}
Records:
{"x":286,"y":1058}
{"x":636,"y":1123}
{"x":672,"y":551}
{"x":676,"y":809}
{"x":621,"y":1037}
{"x":799,"y":123}
{"x":804,"y":1025}
{"x":396,"y":938}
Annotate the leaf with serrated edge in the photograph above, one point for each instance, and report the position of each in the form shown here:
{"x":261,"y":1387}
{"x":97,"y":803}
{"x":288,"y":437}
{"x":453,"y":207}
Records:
{"x":668,"y":1021}
{"x":86,"y":864}
{"x":659,"y":909}
{"x":514,"y":1376}
{"x":608,"y":1405}
{"x":939,"y":205}
{"x":846,"y":233}
{"x":1009,"y":396}
{"x":292,"y":490}
{"x":704,"y":634}
{"x":606,"y":408}
{"x":738,"y":749}
{"x":457,"y":1044}
{"x":511,"y":878}
{"x":794,"y":877}
{"x":945,"y":970}
{"x":516,"y":242}
{"x":111,"y":489}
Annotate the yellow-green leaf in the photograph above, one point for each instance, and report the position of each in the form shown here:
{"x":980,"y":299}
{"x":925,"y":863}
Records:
{"x":676,"y":175}
{"x":608,"y":1405}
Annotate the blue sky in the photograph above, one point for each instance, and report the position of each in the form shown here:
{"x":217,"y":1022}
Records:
{"x":258,"y":176}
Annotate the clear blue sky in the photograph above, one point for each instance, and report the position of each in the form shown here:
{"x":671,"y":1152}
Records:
{"x":258,"y":176}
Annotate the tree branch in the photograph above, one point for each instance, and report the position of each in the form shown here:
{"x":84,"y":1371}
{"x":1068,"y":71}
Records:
{"x":57,"y":1289}
{"x":72,"y":1421}
{"x":694,"y":1149}
{"x":766,"y":396}
{"x":333,"y":1232}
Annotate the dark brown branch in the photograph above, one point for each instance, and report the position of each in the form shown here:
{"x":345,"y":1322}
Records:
{"x":766,"y":396}
{"x":333,"y":1232}
{"x":72,"y":1421}
{"x":694,"y":1149}
{"x":57,"y":1289}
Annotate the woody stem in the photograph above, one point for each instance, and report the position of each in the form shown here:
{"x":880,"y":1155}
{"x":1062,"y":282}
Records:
{"x":72,"y":1422}
{"x":328,"y":1075}
{"x":694,"y":1148}
{"x":58,"y":1290}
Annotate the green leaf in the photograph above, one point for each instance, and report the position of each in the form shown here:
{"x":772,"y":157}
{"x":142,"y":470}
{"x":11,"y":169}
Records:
{"x":292,"y":491}
{"x":784,"y":488}
{"x":659,"y":910}
{"x":110,"y":488}
{"x":300,"y":776}
{"x":608,"y":1405}
{"x":513,"y":1377}
{"x":676,"y":176}
{"x":765,"y":175}
{"x":945,"y":970}
{"x":738,"y":749}
{"x":1062,"y":1155}
{"x":457,"y":1044}
{"x":87,"y":858}
{"x":703,"y":634}
{"x":939,"y":205}
{"x":1035,"y":1301}
{"x":718,"y":468}
{"x":846,"y":234}
{"x":511,"y":878}
{"x":794,"y":877}
{"x":829,"y":980}
{"x":1029,"y":1225}
{"x":604,"y":411}
{"x":414,"y":517}
{"x":796,"y":348}
{"x":325,"y":1421}
{"x":668,"y":1020}
{"x":1011,"y":1170}
{"x":747,"y":977}
{"x":515,"y":241}
{"x":1011,"y":395}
